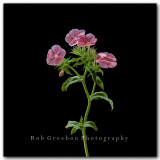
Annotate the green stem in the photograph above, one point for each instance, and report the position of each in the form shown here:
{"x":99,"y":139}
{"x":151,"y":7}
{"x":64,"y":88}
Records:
{"x":84,"y":84}
{"x":88,"y":107}
{"x":84,"y":129}
{"x":85,"y":89}
{"x":74,"y":71}
{"x":94,"y":86}
{"x":86,"y":114}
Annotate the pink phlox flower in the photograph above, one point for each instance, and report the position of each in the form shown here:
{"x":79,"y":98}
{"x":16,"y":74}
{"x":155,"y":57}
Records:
{"x":87,"y":40}
{"x":106,"y":60}
{"x":55,"y":55}
{"x":73,"y":36}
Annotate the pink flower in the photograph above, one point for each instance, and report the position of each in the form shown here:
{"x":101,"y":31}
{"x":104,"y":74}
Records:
{"x":87,"y":40}
{"x":73,"y":36}
{"x":55,"y":55}
{"x":106,"y":60}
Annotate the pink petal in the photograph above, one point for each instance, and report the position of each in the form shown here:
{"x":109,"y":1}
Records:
{"x":103,"y":55}
{"x":73,"y":42}
{"x":111,"y":57}
{"x":80,"y":44}
{"x":103,"y":63}
{"x":90,"y":36}
{"x":112,"y":64}
{"x":62,"y":53}
{"x":74,"y":32}
{"x":50,"y":54}
{"x":68,"y":38}
{"x":50,"y":61}
{"x":56,"y":49}
{"x":58,"y":61}
{"x":82,"y":41}
{"x":93,"y":41}
{"x":81,"y":33}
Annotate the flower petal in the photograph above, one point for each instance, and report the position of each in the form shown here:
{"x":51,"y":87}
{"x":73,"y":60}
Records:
{"x":62,"y":53}
{"x":102,"y":55}
{"x":73,"y":42}
{"x":56,"y":49}
{"x":103,"y":63}
{"x":111,"y":57}
{"x":112,"y":64}
{"x":93,"y":41}
{"x":74,"y":32}
{"x":68,"y":38}
{"x":81,"y":33}
{"x":50,"y":61}
{"x":90,"y":37}
{"x":50,"y":54}
{"x":58,"y":61}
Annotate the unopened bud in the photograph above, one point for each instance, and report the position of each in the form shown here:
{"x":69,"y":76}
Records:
{"x":61,"y":73}
{"x":94,"y":68}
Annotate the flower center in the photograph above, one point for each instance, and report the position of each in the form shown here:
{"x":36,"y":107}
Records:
{"x":105,"y":59}
{"x":56,"y":56}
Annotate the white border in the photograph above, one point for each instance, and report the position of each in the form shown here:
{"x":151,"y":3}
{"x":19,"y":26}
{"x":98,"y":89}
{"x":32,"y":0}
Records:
{"x":66,"y":1}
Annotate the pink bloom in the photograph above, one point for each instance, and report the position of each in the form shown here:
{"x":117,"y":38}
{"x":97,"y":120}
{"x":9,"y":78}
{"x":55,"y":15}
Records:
{"x":73,"y":36}
{"x":106,"y":60}
{"x":55,"y":55}
{"x":87,"y":40}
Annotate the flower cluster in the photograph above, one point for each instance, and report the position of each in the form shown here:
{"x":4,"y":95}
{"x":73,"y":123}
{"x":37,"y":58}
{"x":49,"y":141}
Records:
{"x":77,"y":37}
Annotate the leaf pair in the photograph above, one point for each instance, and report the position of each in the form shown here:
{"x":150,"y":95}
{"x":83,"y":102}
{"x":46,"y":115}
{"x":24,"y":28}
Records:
{"x":75,"y":126}
{"x":80,"y":125}
{"x":102,"y":95}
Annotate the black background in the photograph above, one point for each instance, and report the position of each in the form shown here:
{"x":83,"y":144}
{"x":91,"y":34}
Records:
{"x":34,"y":104}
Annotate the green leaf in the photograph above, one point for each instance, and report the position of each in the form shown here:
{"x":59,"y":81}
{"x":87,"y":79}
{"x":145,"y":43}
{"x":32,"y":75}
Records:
{"x":93,"y":73}
{"x":75,"y":126}
{"x":67,"y":71}
{"x":99,"y":82}
{"x":74,"y":129}
{"x":90,"y":124}
{"x":71,"y":124}
{"x":75,"y":51}
{"x":70,"y":81}
{"x":74,"y":60}
{"x":77,"y":64}
{"x":101,"y":71}
{"x":81,"y":120}
{"x":102,"y":95}
{"x":83,"y":50}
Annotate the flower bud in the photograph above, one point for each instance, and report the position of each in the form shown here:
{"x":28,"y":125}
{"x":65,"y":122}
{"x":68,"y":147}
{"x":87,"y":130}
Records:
{"x":94,"y":68}
{"x":61,"y":73}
